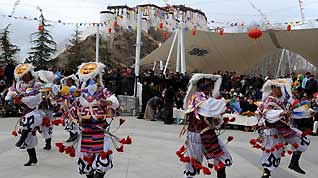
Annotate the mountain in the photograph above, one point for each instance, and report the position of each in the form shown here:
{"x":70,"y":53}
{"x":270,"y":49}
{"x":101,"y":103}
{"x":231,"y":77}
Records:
{"x":116,"y":49}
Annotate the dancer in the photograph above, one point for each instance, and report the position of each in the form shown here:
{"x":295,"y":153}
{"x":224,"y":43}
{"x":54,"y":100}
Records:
{"x":203,"y":119}
{"x":69,"y":93}
{"x":275,"y":129}
{"x":46,"y":78}
{"x":26,"y":94}
{"x":93,"y":110}
{"x":314,"y":104}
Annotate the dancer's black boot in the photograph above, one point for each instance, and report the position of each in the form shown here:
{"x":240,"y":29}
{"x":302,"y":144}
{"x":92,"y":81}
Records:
{"x":47,"y":144}
{"x":32,"y":157}
{"x":90,"y":175}
{"x":266,"y":173}
{"x":294,"y":162}
{"x":24,"y":135}
{"x":99,"y":174}
{"x":73,"y":137}
{"x":221,"y":173}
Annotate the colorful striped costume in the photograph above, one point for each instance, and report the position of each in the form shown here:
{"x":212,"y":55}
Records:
{"x":94,"y":110}
{"x":275,"y":129}
{"x":277,"y":133}
{"x":202,"y":140}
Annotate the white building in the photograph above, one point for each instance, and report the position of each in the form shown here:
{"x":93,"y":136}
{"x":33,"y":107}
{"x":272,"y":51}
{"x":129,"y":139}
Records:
{"x":153,"y":16}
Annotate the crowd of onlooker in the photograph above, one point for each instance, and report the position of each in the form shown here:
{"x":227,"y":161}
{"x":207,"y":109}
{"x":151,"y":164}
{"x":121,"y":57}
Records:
{"x":161,"y":90}
{"x":243,"y":89}
{"x":6,"y":75}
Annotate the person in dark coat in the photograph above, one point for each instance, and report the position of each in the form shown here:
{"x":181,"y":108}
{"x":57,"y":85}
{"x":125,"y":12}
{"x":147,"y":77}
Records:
{"x":169,"y":95}
{"x":152,"y":107}
{"x":311,"y":86}
{"x":8,"y":72}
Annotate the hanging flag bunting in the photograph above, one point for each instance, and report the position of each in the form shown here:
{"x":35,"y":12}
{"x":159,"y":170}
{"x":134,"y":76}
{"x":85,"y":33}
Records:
{"x":162,"y":16}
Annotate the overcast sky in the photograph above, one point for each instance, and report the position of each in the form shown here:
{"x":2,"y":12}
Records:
{"x":81,"y":11}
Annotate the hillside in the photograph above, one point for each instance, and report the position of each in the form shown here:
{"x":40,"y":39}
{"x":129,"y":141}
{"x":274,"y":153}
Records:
{"x":116,"y":49}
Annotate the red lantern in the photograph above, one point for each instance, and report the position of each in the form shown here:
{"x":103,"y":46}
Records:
{"x":115,"y":24}
{"x":289,"y":27}
{"x":255,"y":33}
{"x":40,"y":28}
{"x":161,"y":25}
{"x":221,"y":32}
{"x":194,"y":32}
{"x":164,"y":34}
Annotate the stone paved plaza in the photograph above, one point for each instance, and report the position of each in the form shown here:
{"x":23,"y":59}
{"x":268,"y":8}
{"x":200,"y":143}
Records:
{"x":152,"y":155}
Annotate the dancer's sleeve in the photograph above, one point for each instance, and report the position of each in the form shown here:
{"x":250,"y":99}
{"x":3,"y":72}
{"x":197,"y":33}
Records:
{"x":273,"y":116}
{"x":115,"y":103}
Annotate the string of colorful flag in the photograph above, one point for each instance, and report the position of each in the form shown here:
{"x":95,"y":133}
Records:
{"x":106,"y":23}
{"x":219,"y":24}
{"x":237,"y":24}
{"x":58,"y":21}
{"x":193,"y":24}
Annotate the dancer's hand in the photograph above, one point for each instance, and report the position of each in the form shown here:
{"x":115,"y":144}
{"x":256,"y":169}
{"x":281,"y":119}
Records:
{"x":216,"y":121}
{"x":106,"y":103}
{"x":286,"y":114}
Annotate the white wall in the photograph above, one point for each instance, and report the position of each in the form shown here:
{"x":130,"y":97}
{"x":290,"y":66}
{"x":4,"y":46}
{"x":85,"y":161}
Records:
{"x":129,"y":19}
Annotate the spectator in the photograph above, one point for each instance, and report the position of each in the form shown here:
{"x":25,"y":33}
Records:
{"x":9,"y":73}
{"x":153,"y":108}
{"x":179,"y":99}
{"x":303,"y":85}
{"x":311,"y":86}
{"x":169,"y":95}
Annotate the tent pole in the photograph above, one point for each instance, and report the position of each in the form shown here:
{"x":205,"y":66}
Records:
{"x":154,"y":66}
{"x":178,"y":53}
{"x":289,"y":62}
{"x":138,"y":45}
{"x":183,"y":63}
{"x":97,"y":42}
{"x":280,"y":62}
{"x":170,"y":52}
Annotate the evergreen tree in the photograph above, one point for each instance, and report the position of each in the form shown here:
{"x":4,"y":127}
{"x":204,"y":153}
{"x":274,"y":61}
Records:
{"x":44,"y":47}
{"x":74,"y":55}
{"x":8,"y":50}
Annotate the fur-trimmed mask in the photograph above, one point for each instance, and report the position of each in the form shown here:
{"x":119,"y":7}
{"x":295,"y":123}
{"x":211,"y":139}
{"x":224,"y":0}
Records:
{"x":90,"y":70}
{"x":23,"y":69}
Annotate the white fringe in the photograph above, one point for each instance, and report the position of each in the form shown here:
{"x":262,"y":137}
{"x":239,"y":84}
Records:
{"x":192,"y":86}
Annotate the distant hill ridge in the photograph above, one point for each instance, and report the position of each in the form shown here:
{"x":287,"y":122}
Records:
{"x":116,"y":50}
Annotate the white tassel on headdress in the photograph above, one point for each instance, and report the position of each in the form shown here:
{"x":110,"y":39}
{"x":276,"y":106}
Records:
{"x":73,"y":77}
{"x":282,"y":83}
{"x":45,"y":76}
{"x":192,"y":86}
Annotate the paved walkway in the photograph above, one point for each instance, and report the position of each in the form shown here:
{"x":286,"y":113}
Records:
{"x":152,"y":155}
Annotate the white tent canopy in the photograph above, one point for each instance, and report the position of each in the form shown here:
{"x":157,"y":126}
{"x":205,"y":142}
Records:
{"x":236,"y":51}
